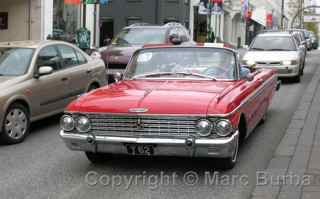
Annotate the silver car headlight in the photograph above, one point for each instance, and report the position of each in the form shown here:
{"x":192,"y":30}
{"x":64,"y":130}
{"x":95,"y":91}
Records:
{"x":204,"y":127}
{"x":83,"y":124}
{"x":224,"y":128}
{"x":290,"y":62}
{"x":67,"y":123}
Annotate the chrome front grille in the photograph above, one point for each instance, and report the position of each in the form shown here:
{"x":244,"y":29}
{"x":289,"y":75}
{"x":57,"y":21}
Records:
{"x":148,"y":126}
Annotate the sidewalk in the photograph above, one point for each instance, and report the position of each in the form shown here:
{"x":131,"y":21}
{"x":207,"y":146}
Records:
{"x":294,"y":171}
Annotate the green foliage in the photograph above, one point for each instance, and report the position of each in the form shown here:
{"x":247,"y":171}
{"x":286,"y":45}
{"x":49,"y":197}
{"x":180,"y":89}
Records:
{"x":311,"y":27}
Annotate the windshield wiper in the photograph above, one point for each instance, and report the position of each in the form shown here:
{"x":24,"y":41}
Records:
{"x":278,"y":49}
{"x":171,"y":73}
{"x":260,"y":49}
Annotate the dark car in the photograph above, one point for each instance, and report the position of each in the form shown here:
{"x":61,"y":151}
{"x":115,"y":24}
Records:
{"x":314,"y":40}
{"x":116,"y":55}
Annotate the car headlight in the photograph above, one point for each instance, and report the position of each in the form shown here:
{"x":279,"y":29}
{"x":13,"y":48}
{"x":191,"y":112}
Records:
{"x":67,"y":123}
{"x":290,"y":62}
{"x":204,"y":127}
{"x":83,"y":124}
{"x":224,"y":128}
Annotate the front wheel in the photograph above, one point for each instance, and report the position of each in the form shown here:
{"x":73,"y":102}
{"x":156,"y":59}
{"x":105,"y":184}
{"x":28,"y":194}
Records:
{"x":16,"y":125}
{"x":96,"y":158}
{"x":228,"y":163}
{"x":297,"y":78}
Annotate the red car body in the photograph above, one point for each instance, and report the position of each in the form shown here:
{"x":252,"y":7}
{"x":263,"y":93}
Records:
{"x":231,"y":100}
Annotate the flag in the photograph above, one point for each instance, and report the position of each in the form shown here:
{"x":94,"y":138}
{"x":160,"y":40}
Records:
{"x":72,"y":1}
{"x":244,"y":7}
{"x":90,"y":1}
{"x":104,"y":2}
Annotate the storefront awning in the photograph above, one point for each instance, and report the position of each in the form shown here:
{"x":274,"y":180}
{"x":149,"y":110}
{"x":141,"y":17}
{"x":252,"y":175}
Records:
{"x":259,"y":15}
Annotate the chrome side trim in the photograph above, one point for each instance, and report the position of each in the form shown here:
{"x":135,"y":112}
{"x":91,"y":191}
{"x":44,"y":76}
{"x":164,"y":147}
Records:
{"x":249,"y":98}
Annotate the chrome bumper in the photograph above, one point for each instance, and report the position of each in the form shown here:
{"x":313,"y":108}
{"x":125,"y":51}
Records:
{"x":219,"y":147}
{"x":284,"y":71}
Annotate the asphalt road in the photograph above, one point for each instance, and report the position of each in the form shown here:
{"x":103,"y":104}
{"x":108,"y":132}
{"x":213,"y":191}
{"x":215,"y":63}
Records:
{"x":42,"y":167}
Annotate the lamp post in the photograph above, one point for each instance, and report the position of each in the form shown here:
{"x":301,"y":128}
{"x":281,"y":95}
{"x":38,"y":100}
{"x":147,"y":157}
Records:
{"x":282,"y":13}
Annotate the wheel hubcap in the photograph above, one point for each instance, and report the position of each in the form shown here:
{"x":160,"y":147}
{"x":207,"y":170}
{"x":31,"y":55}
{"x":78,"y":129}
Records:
{"x":235,"y":155}
{"x":16,"y":123}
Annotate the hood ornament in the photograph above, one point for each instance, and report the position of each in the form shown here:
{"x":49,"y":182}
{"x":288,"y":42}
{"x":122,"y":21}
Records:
{"x":138,"y":110}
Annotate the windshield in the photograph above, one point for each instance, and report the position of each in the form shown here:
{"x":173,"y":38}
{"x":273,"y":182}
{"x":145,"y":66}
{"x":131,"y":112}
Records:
{"x":14,"y":61}
{"x":276,"y":43}
{"x":183,"y":63}
{"x":140,"y":36}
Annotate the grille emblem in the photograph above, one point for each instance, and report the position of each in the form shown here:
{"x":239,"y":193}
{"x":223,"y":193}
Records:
{"x":139,"y":124}
{"x":138,"y":110}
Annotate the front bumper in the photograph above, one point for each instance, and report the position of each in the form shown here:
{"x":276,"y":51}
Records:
{"x":284,"y":71}
{"x":191,"y":147}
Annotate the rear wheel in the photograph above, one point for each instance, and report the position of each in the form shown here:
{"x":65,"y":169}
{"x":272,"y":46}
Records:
{"x":16,"y":125}
{"x":97,"y":158}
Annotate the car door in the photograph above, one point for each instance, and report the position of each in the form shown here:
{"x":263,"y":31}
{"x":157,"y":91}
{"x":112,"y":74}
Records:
{"x":49,"y":92}
{"x":77,"y":69}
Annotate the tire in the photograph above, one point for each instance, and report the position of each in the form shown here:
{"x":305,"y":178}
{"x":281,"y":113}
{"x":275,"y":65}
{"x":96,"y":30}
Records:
{"x":16,"y":125}
{"x":264,"y":117}
{"x":297,"y":78}
{"x":96,"y":158}
{"x":92,"y":87}
{"x":228,"y":163}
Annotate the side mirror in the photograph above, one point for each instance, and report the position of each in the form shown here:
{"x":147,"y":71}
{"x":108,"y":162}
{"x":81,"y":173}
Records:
{"x":175,"y":39}
{"x":44,"y":70}
{"x":245,"y":73}
{"x":249,"y":77}
{"x":107,"y":42}
{"x":118,"y":76}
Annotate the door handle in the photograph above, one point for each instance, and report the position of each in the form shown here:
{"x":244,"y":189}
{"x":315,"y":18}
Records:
{"x":88,"y":71}
{"x":64,"y":79}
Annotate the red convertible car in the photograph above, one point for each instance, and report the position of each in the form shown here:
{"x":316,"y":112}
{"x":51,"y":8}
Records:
{"x":194,"y":101}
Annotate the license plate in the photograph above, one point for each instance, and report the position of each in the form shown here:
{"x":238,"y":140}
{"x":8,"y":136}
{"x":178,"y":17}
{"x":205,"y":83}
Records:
{"x":140,"y":149}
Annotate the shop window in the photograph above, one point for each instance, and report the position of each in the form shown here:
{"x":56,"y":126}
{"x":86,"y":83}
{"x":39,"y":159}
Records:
{"x":66,"y":21}
{"x":3,"y":20}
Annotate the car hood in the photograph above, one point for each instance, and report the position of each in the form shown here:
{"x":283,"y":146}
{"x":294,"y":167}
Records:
{"x":6,"y":81}
{"x":119,"y":54}
{"x":158,"y":97}
{"x":271,"y":55}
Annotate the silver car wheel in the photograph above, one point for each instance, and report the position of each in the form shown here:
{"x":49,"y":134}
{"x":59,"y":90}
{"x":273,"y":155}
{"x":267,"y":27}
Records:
{"x":16,"y":123}
{"x":236,"y":153}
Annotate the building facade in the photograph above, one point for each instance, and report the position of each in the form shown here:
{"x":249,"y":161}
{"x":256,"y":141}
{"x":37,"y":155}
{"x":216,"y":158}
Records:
{"x":227,"y":26}
{"x":37,"y":19}
{"x":120,"y":13}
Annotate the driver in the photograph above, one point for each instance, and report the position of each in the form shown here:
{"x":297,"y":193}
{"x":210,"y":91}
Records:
{"x":224,"y":69}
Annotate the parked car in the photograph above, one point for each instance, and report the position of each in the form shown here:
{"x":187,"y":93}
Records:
{"x":117,"y":54}
{"x":38,"y":79}
{"x":193,"y":101}
{"x":300,"y":41}
{"x":314,"y":40}
{"x":302,"y":37}
{"x":277,"y":50}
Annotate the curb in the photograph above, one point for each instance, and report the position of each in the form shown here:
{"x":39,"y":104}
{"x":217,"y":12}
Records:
{"x":295,"y":158}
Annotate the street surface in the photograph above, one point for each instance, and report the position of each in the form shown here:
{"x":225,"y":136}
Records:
{"x":42,"y":167}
